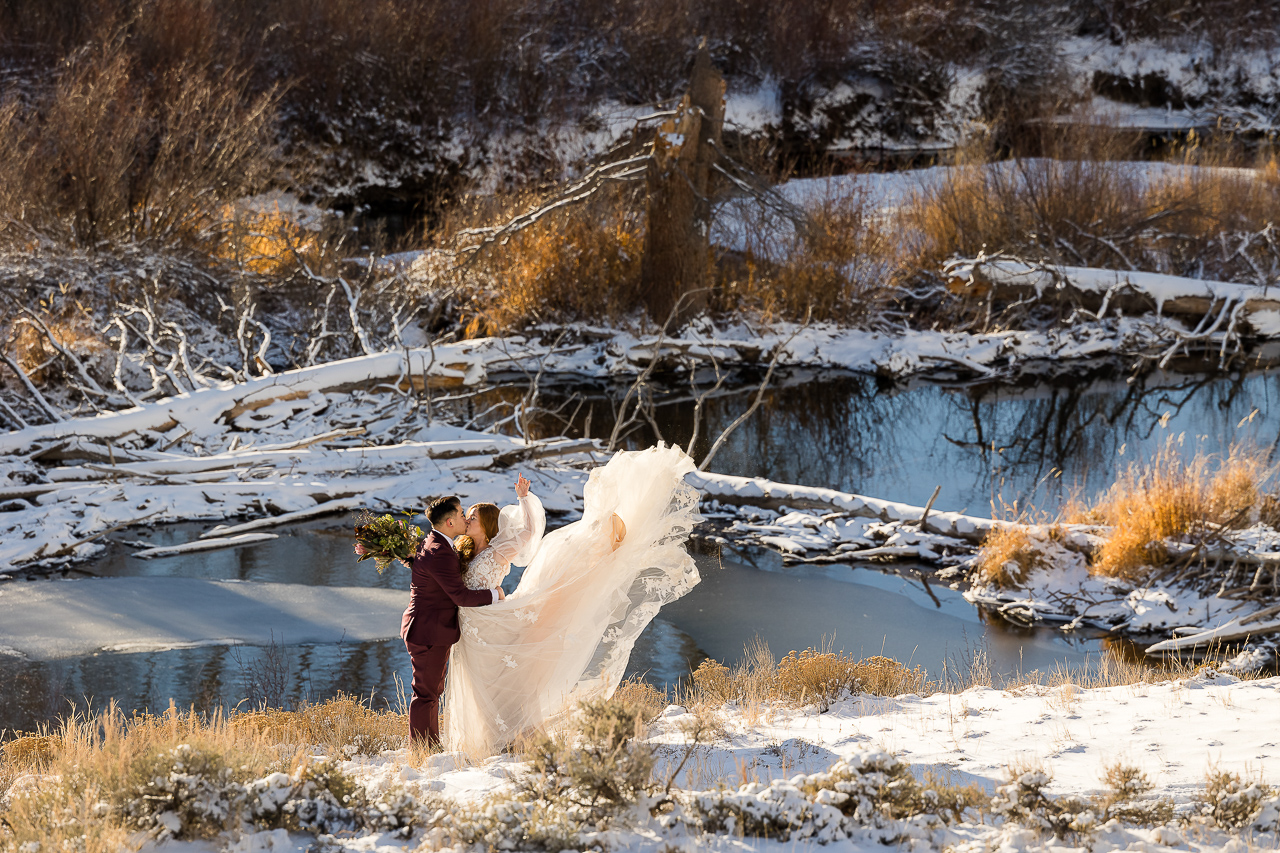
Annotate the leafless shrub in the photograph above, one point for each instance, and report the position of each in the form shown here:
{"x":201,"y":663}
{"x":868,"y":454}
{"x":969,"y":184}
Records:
{"x":840,"y":266}
{"x":1024,"y":800}
{"x":108,"y":154}
{"x":597,"y":764}
{"x":1126,"y":797}
{"x":1232,"y":801}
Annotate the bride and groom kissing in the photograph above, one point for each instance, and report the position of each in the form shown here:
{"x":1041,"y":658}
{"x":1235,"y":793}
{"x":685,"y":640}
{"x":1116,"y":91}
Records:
{"x":520,"y":663}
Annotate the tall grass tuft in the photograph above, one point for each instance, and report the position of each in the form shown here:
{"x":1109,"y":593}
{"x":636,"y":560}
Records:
{"x":1171,"y":495}
{"x":1008,"y":556}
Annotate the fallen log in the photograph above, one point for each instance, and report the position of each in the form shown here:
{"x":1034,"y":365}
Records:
{"x":1236,"y":629}
{"x":766,"y":494}
{"x":1098,"y":289}
{"x":205,"y":545}
{"x":545,"y":451}
{"x":326,"y":508}
{"x":446,"y":366}
{"x":479,"y":451}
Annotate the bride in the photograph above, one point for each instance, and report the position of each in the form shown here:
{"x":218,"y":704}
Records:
{"x":588,"y":591}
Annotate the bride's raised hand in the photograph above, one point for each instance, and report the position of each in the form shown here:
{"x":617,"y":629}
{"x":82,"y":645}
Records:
{"x":522,"y":486}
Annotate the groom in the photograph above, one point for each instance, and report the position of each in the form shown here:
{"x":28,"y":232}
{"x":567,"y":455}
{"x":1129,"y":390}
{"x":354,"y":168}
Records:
{"x":430,"y":624}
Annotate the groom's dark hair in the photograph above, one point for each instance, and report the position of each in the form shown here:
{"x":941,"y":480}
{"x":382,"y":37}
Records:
{"x":441,"y":508}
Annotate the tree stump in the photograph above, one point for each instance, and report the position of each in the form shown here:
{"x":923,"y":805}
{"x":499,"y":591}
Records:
{"x":677,"y":257}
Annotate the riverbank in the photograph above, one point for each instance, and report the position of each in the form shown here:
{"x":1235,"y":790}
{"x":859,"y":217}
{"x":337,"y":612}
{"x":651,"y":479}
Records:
{"x":1030,"y":767}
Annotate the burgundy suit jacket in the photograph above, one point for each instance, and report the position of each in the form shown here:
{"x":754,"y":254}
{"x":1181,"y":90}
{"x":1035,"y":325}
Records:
{"x":435,"y":594}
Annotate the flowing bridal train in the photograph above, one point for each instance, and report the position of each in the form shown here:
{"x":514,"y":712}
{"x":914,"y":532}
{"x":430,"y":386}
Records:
{"x":589,"y":590}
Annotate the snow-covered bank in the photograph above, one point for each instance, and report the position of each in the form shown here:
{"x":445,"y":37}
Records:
{"x":363,"y":428}
{"x":776,"y":762}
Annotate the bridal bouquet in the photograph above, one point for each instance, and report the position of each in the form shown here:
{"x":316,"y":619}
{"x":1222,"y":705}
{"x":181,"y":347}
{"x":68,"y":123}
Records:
{"x":385,"y":538}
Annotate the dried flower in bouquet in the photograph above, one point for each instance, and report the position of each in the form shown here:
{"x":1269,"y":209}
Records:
{"x":385,"y":538}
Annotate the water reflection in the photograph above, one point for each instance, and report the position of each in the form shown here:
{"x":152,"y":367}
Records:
{"x":983,"y":444}
{"x":202,"y":678}
{"x":742,"y":597}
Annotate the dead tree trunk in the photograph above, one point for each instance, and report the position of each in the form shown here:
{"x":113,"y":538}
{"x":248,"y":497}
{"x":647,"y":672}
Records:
{"x":678,"y":245}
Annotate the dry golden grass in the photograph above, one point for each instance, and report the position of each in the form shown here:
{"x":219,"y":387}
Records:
{"x":812,"y":676}
{"x":647,"y":700}
{"x":1008,"y":555}
{"x":343,"y":726}
{"x":841,"y":266}
{"x":579,"y":263}
{"x":1030,"y":205}
{"x":1171,"y":495}
{"x":89,"y":765}
{"x":70,"y":328}
{"x":268,"y":241}
{"x":584,"y":262}
{"x":1084,"y":203}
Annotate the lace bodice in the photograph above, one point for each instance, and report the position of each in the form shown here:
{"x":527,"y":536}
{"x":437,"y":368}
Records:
{"x":487,"y":570}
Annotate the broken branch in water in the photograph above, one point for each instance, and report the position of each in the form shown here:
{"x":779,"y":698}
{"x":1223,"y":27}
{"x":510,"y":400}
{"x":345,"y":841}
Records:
{"x":755,"y":404}
{"x":206,"y":545}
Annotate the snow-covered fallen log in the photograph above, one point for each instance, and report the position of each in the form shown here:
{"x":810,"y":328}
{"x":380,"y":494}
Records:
{"x":206,"y":545}
{"x":729,"y":490}
{"x":1228,"y":633}
{"x":68,"y":493}
{"x":326,"y":508}
{"x":1257,"y":624}
{"x":1101,"y":289}
{"x":444,"y":366}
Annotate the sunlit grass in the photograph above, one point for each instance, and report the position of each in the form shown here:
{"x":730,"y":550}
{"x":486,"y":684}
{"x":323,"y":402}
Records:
{"x":1172,"y":495}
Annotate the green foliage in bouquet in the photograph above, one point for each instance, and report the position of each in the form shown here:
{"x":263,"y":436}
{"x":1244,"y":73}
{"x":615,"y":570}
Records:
{"x":385,"y":538}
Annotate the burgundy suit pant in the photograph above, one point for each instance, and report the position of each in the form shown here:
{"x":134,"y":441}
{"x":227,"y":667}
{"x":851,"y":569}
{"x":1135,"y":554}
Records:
{"x":429,"y":664}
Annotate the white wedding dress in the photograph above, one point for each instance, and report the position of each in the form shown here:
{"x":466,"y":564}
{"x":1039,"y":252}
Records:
{"x":566,"y":633}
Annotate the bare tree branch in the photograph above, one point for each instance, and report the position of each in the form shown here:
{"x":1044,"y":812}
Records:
{"x":755,"y":404}
{"x":31,"y":388}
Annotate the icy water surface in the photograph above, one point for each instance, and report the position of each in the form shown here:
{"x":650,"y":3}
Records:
{"x":981,"y":443}
{"x":860,"y":610}
{"x":978,"y":443}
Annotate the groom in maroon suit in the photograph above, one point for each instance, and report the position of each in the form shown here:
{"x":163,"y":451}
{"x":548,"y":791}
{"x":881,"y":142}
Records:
{"x":430,"y":624}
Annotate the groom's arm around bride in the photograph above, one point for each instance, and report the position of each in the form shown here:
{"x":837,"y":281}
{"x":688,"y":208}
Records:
{"x":429,"y":626}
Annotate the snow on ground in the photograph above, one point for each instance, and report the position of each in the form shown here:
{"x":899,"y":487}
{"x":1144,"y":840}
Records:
{"x":1174,"y":732}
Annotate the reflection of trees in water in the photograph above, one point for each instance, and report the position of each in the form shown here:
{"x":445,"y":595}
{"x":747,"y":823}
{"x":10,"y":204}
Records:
{"x":204,"y":678}
{"x":981,"y":443}
{"x":1054,"y":439}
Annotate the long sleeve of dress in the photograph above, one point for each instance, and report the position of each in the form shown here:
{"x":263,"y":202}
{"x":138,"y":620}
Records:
{"x":520,"y":529}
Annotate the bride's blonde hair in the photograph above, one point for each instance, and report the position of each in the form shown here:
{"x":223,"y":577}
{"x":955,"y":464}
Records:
{"x":466,"y":546}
